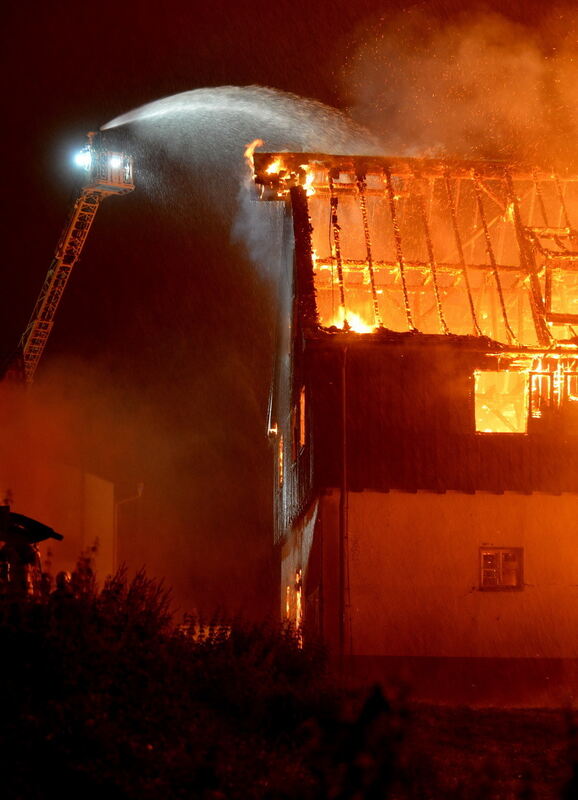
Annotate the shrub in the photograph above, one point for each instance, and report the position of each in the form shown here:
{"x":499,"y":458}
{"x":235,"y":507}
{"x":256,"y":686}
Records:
{"x":105,"y":694}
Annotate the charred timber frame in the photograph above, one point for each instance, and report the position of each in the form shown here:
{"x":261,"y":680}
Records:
{"x":292,"y":179}
{"x":427,"y":167}
{"x":305,"y":286}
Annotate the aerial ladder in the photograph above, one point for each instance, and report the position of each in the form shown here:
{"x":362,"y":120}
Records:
{"x":106,"y":173}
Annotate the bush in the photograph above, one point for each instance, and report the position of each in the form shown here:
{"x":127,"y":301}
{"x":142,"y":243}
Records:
{"x":104,"y":696}
{"x":103,"y":693}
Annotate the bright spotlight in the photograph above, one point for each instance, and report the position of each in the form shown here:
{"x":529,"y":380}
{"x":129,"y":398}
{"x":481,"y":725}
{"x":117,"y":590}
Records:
{"x":83,"y":159}
{"x":115,"y":162}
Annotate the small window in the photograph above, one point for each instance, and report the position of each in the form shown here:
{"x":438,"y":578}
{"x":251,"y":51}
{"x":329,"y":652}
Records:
{"x":501,"y":402}
{"x":501,"y":568}
{"x":299,"y":607}
{"x":298,"y":426}
{"x":298,"y":599}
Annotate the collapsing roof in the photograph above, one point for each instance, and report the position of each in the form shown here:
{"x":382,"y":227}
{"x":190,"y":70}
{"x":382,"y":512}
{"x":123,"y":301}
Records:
{"x":480,"y":248}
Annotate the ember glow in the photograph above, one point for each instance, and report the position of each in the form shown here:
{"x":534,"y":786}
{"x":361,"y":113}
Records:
{"x":350,"y":321}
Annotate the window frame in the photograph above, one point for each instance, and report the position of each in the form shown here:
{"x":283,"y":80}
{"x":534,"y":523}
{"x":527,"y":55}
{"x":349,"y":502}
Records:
{"x":500,"y":586}
{"x":477,"y":398}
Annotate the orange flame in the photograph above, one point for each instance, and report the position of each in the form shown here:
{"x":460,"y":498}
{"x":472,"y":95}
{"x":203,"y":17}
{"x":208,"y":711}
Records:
{"x":309,"y":178}
{"x":249,"y":150}
{"x":354,"y":321}
{"x":274,"y":167}
{"x":509,"y":213}
{"x":299,"y":607}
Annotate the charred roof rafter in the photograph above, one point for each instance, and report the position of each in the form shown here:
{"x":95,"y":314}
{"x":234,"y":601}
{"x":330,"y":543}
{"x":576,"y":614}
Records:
{"x":410,"y":241}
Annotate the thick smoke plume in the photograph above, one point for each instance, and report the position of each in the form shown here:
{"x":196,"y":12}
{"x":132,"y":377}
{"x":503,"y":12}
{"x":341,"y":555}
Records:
{"x":480,"y":85}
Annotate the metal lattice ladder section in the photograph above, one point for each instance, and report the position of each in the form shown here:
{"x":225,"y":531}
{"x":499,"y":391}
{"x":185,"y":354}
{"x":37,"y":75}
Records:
{"x":108,"y":173}
{"x":38,"y":330}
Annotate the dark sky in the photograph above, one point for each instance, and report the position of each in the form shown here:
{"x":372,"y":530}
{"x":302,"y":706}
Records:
{"x":157,"y":389}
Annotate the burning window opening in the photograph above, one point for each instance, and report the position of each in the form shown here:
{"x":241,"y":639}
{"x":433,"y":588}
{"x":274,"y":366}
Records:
{"x":294,"y":605}
{"x":302,"y":423}
{"x":299,"y":607}
{"x":553,"y":386}
{"x":467,"y":248}
{"x":501,"y":568}
{"x":530,"y":388}
{"x":501,"y":402}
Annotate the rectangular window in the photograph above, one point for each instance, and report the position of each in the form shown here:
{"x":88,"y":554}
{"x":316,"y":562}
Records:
{"x":302,"y":409}
{"x":501,"y":402}
{"x":501,"y":568}
{"x":553,"y":386}
{"x":561,"y":291}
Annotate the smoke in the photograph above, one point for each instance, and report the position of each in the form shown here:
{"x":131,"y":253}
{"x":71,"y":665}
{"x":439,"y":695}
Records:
{"x":480,"y":85}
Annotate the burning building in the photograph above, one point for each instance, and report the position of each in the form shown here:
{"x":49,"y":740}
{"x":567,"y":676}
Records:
{"x":424,"y":413}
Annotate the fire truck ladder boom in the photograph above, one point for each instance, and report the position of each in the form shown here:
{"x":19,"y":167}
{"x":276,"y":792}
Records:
{"x":107,"y":173}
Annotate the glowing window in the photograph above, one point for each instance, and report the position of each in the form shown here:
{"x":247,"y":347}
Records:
{"x":299,"y":606}
{"x":501,"y":568}
{"x":501,"y":402}
{"x":302,"y":417}
{"x":553,"y":385}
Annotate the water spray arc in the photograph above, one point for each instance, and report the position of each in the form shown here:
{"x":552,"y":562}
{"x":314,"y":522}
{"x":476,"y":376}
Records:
{"x":282,"y":119}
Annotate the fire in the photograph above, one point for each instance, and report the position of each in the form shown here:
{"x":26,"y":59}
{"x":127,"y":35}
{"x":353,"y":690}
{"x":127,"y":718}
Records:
{"x":509,"y":214}
{"x":249,"y":150}
{"x":309,"y":178}
{"x":528,"y":387}
{"x":274,"y":167}
{"x":354,"y":322}
{"x":299,"y":607}
{"x":435,"y":251}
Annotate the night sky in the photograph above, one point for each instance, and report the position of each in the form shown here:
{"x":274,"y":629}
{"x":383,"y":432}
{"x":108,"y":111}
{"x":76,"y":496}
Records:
{"x":159,"y":363}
